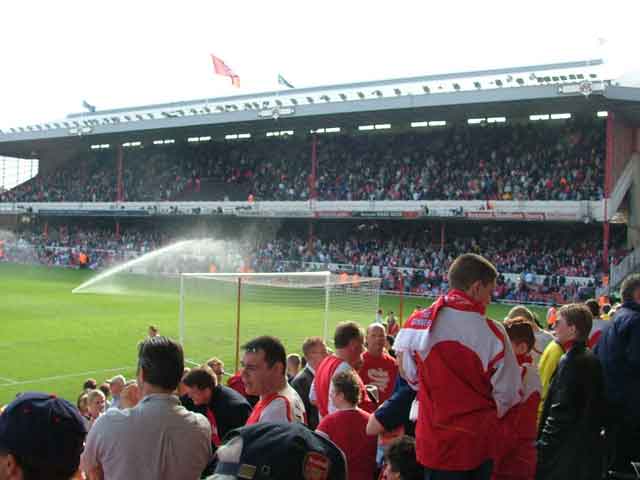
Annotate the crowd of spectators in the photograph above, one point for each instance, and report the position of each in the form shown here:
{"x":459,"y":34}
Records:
{"x":491,"y":162}
{"x":535,"y":265}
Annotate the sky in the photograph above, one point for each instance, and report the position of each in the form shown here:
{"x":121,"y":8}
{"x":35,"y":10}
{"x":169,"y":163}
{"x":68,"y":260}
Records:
{"x":124,"y":53}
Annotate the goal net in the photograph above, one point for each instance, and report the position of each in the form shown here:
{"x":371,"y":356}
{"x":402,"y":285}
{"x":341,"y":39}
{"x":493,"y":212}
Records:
{"x":220,"y":312}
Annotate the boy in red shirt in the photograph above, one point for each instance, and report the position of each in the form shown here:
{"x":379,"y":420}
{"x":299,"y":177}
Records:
{"x":346,"y":427}
{"x":516,"y":450}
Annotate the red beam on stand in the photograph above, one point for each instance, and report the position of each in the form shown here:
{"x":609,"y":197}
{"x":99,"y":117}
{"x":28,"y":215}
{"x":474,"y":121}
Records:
{"x":609,"y":158}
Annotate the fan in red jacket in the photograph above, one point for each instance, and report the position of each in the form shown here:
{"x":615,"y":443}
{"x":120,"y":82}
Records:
{"x":464,"y":370}
{"x":378,"y":367}
{"x":517,"y":458}
{"x":348,"y":340}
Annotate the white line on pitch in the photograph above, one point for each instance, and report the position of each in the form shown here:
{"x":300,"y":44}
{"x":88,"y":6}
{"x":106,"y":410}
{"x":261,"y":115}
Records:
{"x":60,"y":377}
{"x":7,"y":380}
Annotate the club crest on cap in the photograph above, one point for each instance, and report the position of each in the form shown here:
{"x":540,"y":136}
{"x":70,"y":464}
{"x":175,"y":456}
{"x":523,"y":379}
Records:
{"x":315,"y":466}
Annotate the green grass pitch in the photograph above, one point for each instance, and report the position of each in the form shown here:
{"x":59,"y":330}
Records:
{"x":52,"y":340}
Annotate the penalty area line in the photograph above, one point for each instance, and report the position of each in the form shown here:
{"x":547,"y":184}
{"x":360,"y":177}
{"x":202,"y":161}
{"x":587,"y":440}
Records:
{"x":61,"y":377}
{"x":6,"y":380}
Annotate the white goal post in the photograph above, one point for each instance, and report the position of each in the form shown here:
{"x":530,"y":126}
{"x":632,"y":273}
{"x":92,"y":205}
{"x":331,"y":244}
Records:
{"x":218,"y":309}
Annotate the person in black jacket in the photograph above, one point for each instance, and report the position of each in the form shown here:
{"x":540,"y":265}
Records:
{"x":314,"y":351}
{"x":569,"y":440}
{"x":225,"y":408}
{"x":619,"y":352}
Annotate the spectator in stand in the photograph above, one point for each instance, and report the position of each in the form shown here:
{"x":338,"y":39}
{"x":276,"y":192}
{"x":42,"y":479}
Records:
{"x":158,"y":438}
{"x":130,"y":396}
{"x":225,"y":408}
{"x":106,"y":390}
{"x":293,"y":366}
{"x":467,"y":375}
{"x":552,"y":315}
{"x":314,"y":351}
{"x":90,"y":384}
{"x":82,"y":405}
{"x":348,"y":340}
{"x":392,"y":326}
{"x":217,"y":365}
{"x":263,"y":373}
{"x":574,"y":411}
{"x":619,"y":353}
{"x":378,"y":367}
{"x":518,"y":428}
{"x":547,"y":368}
{"x":597,"y":325}
{"x":400,"y":458}
{"x":346,"y":427}
{"x":542,"y":337}
{"x":117,"y":384}
{"x":41,"y":437}
{"x":96,"y":403}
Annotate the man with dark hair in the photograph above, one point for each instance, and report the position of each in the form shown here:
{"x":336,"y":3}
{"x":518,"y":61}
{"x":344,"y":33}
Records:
{"x":400,"y":457}
{"x":574,"y":410}
{"x":158,"y":438}
{"x":264,"y":367}
{"x":619,"y":353}
{"x":346,"y":427}
{"x":314,"y":351}
{"x":41,"y":438}
{"x":348,"y":340}
{"x":225,"y":408}
{"x":465,"y":372}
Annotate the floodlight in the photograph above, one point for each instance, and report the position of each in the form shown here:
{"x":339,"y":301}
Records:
{"x":397,"y":91}
{"x":343,"y":96}
{"x":426,"y":89}
{"x":361,"y":95}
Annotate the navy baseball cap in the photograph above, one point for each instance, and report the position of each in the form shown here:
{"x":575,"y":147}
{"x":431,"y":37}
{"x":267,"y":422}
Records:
{"x":43,"y":430}
{"x":270,"y":451}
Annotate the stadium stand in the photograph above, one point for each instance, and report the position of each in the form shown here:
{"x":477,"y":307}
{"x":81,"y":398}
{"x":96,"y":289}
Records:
{"x":492,"y":162}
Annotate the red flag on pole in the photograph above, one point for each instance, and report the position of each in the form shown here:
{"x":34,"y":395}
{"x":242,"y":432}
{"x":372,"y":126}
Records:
{"x":221,"y":68}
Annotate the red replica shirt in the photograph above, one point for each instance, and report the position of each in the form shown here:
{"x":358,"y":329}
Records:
{"x":346,"y":428}
{"x":380,"y":371}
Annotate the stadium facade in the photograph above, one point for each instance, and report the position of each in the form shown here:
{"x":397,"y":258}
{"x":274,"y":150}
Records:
{"x":553,"y":94}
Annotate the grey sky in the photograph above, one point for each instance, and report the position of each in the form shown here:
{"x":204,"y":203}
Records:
{"x":125,"y":53}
